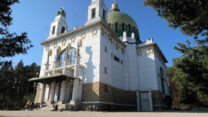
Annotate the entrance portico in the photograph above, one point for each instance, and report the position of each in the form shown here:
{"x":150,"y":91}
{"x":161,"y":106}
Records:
{"x":57,"y":89}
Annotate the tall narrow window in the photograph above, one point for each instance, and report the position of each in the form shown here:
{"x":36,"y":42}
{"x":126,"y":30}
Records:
{"x":133,"y":29}
{"x":105,"y":70}
{"x":123,"y":27}
{"x":62,"y":30}
{"x":93,"y":13}
{"x":106,"y":49}
{"x":53,"y":30}
{"x":104,"y":14}
{"x":116,"y":26}
{"x":162,"y":80}
{"x":129,"y":26}
{"x":106,"y":88}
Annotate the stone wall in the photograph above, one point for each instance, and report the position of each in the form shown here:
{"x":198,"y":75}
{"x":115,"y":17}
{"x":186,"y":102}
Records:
{"x":157,"y":100}
{"x":37,"y":95}
{"x":115,"y":95}
{"x":90,"y":92}
{"x":109,"y":98}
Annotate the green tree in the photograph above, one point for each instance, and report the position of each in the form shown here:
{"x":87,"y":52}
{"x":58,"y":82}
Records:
{"x":14,"y":85}
{"x":190,"y":16}
{"x":10,"y":43}
{"x":190,"y":71}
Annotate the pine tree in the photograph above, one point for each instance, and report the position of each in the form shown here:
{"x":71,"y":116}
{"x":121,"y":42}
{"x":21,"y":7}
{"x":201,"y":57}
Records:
{"x":10,"y":43}
{"x":191,"y":69}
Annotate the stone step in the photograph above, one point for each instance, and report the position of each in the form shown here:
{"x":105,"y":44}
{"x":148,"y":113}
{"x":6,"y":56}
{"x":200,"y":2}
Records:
{"x":50,"y":107}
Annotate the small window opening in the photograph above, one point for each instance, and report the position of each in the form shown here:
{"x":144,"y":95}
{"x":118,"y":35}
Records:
{"x":93,"y":13}
{"x":53,"y":30}
{"x":116,"y":26}
{"x":123,"y":27}
{"x":62,"y":30}
{"x":104,"y":14}
{"x":106,"y":88}
{"x":117,"y":59}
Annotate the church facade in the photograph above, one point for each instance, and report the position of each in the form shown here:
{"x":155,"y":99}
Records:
{"x":102,"y":63}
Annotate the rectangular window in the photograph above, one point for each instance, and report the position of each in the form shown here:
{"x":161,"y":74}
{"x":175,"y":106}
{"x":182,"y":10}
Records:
{"x":116,"y":26}
{"x":129,"y":28}
{"x":93,"y":13}
{"x":122,"y":62}
{"x":106,"y":88}
{"x":106,"y":49}
{"x":122,"y":50}
{"x":53,"y":30}
{"x":104,"y":14}
{"x":105,"y":70}
{"x":112,"y":55}
{"x":123,"y":26}
{"x":117,"y":46}
{"x":117,"y":59}
{"x":62,"y":30}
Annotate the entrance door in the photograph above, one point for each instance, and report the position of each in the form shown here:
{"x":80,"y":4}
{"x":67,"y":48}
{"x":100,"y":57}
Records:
{"x":145,"y":102}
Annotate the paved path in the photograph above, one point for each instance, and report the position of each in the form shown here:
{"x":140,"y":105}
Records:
{"x":101,"y":114}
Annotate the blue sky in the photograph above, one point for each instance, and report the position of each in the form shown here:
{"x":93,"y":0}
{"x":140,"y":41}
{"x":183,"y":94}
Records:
{"x":35,"y":17}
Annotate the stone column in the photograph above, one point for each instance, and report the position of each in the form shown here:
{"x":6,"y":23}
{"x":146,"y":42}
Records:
{"x":42,"y":93}
{"x":150,"y":100}
{"x":65,"y":64}
{"x":46,"y":92}
{"x":56,"y":92}
{"x":74,"y":101}
{"x":63,"y":88}
{"x":52,"y":91}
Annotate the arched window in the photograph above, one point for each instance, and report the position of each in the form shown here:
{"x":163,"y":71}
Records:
{"x":129,"y":26}
{"x":61,"y":58}
{"x":123,"y":27}
{"x":162,"y":80}
{"x":116,"y":26}
{"x":70,"y":56}
{"x":133,"y":29}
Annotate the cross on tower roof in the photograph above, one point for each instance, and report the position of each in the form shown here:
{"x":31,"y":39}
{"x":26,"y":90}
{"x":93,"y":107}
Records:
{"x":114,"y":1}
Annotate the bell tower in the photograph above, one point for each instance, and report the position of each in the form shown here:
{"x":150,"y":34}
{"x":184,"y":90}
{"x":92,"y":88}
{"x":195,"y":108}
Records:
{"x":97,"y":11}
{"x":59,"y":26}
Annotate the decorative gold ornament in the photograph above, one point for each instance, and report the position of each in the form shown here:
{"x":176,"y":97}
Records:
{"x":150,"y":51}
{"x":55,"y":45}
{"x":47,"y":48}
{"x":80,"y":44}
{"x":139,"y":52}
{"x":58,"y":50}
{"x":63,"y":42}
{"x":69,"y":47}
{"x":50,"y":52}
{"x":71,"y":82}
{"x":94,"y":32}
{"x":83,"y":35}
{"x":73,"y":39}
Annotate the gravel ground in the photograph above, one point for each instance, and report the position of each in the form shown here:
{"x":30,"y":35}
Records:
{"x":100,"y":114}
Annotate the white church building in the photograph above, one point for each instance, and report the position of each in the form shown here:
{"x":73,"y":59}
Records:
{"x":102,"y":63}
